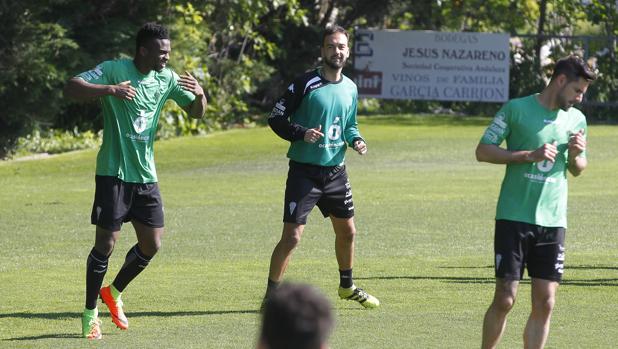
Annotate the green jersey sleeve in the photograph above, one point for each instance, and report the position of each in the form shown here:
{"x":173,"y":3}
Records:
{"x":99,"y":75}
{"x":351,"y":132}
{"x":179,"y":95}
{"x":499,"y":128}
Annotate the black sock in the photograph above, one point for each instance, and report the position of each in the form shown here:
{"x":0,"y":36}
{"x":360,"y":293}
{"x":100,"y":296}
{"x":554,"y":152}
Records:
{"x":345,"y":278}
{"x":96,"y":267}
{"x":272,"y":285}
{"x":134,"y":263}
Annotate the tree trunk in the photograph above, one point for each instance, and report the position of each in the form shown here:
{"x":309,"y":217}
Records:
{"x":540,"y":34}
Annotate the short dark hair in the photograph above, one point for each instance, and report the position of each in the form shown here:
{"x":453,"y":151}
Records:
{"x":332,"y":29}
{"x":574,"y":67}
{"x":296,"y":316}
{"x":150,"y":31}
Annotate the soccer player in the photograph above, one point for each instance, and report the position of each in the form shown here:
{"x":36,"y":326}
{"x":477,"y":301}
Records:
{"x":296,"y":316}
{"x":132,"y":93}
{"x":317,"y":115}
{"x":545,"y":137}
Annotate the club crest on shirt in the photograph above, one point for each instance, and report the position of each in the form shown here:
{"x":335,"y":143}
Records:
{"x":545,"y":166}
{"x":141,"y":123}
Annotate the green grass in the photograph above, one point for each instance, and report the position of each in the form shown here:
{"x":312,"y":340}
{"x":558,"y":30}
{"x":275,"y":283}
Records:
{"x":424,"y":213}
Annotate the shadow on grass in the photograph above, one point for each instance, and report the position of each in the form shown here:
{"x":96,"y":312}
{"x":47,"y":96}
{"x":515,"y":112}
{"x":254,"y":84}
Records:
{"x":576,"y":267}
{"x":76,"y":315}
{"x":448,"y":279}
{"x":591,"y":267}
{"x":492,"y":280}
{"x":484,"y":267}
{"x":45,"y":336}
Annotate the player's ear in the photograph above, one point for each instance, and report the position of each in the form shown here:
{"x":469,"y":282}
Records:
{"x":562,"y":80}
{"x":143,"y":51}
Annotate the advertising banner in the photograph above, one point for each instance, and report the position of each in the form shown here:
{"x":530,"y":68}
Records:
{"x":428,"y":65}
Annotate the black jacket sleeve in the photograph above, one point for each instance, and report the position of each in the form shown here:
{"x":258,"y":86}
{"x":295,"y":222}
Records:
{"x":279,"y":119}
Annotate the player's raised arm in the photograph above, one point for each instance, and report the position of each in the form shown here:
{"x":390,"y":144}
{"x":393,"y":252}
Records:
{"x":80,"y":90}
{"x":576,"y":146}
{"x":197,"y":108}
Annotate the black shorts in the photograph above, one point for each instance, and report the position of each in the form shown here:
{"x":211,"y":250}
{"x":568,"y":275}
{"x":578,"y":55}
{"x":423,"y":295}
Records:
{"x":116,"y":202}
{"x":518,"y":245}
{"x":309,"y":185}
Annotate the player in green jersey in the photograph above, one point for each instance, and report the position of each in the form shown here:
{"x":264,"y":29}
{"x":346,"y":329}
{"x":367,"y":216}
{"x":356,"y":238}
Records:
{"x":545,"y":138}
{"x":317,"y":115}
{"x":132,"y":94}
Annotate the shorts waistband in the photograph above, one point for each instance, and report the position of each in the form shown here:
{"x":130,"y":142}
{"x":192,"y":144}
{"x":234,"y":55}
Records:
{"x":302,"y":164}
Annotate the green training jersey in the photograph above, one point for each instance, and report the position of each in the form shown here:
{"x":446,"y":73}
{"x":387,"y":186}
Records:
{"x":129,"y":127}
{"x":313,"y":101}
{"x":534,"y":193}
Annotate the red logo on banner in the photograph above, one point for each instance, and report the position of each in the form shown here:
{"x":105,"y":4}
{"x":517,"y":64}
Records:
{"x":369,"y":82}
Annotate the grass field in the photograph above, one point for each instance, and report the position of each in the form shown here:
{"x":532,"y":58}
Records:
{"x":424,"y":212}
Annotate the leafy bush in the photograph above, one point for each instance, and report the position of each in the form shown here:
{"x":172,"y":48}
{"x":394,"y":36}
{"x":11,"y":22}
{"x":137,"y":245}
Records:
{"x":55,"y":141}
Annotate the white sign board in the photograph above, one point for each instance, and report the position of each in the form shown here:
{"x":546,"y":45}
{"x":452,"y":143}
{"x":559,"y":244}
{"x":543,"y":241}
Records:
{"x":427,"y":65}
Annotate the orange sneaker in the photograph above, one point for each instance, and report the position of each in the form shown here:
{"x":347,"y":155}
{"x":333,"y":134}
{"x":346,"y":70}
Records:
{"x":115,"y":308}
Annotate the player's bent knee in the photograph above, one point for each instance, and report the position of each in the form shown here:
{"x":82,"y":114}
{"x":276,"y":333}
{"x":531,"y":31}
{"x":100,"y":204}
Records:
{"x":152,"y":248}
{"x":104,"y":246}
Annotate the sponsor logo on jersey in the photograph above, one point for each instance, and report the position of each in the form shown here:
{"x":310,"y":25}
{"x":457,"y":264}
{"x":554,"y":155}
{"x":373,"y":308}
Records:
{"x":143,"y":138}
{"x":496,"y":128}
{"x":499,"y":120}
{"x":331,"y":145}
{"x":93,"y":74}
{"x":279,"y":109}
{"x":491,"y":136}
{"x":313,"y":84}
{"x":539,"y":178}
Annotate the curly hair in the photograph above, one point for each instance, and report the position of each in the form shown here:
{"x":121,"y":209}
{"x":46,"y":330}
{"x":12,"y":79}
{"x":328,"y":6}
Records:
{"x":296,"y":316}
{"x":150,"y":31}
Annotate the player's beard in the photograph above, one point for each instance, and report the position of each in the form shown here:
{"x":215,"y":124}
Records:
{"x":563,"y":103}
{"x":334,"y":63}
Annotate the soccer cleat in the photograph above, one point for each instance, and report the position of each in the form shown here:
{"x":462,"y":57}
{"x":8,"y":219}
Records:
{"x":358,"y":294}
{"x":91,"y":327}
{"x":115,"y":308}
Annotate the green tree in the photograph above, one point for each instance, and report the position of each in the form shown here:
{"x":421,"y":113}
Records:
{"x":30,"y":77}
